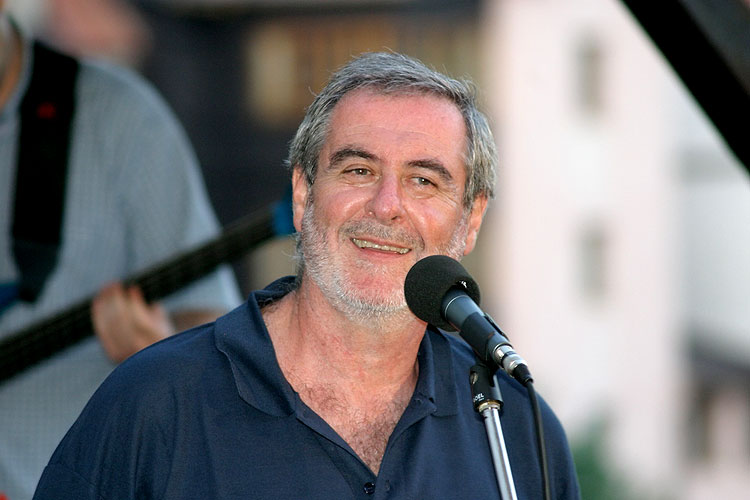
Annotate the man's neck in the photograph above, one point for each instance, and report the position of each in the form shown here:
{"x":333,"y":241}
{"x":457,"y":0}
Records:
{"x":10,"y":59}
{"x":358,"y":378}
{"x":308,"y":333}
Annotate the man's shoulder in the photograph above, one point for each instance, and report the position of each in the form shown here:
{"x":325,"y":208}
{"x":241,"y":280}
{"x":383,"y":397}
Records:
{"x":175,"y":362}
{"x":184,"y":358}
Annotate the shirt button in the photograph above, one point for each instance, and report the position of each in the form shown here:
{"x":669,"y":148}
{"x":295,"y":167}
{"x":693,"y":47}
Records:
{"x":369,"y":488}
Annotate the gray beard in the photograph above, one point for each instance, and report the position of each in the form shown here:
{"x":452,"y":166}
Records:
{"x":318,"y":265}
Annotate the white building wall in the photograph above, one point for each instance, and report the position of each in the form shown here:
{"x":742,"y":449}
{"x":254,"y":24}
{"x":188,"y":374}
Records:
{"x":619,"y":354}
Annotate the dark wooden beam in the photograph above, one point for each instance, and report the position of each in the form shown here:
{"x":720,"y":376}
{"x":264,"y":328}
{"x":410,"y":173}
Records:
{"x":707,"y":43}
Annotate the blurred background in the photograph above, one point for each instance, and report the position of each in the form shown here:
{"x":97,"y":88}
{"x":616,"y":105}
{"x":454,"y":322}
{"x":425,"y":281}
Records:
{"x":616,"y":255}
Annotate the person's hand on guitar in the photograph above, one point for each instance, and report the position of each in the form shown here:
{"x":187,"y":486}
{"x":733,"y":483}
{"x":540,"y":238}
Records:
{"x":125,"y":323}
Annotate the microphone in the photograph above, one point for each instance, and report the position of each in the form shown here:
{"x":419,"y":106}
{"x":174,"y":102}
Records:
{"x":441,"y":292}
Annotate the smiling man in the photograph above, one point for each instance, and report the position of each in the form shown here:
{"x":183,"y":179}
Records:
{"x":325,"y":385}
{"x":388,"y":191}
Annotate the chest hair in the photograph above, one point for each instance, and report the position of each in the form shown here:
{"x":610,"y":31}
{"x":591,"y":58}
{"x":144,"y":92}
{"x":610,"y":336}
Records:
{"x":366,"y":427}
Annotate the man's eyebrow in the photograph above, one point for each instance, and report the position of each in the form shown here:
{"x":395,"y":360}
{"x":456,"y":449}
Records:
{"x":348,"y":152}
{"x":434,"y":166}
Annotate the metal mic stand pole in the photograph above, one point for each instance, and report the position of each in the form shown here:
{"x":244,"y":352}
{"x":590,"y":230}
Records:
{"x":488,"y":401}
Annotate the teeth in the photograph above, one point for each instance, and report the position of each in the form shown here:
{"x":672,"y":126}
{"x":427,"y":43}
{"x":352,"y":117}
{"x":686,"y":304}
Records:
{"x":387,"y":248}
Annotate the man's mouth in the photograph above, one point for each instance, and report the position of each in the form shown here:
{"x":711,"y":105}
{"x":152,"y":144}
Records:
{"x":376,"y":246}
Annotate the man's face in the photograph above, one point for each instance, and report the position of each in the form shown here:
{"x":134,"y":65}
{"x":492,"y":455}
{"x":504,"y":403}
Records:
{"x":388,"y":192}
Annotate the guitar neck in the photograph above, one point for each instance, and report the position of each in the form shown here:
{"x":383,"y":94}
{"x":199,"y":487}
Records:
{"x":43,"y":339}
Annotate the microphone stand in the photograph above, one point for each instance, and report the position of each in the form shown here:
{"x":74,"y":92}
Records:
{"x":488,"y":401}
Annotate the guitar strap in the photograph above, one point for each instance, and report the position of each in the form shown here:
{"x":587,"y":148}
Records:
{"x":43,"y":148}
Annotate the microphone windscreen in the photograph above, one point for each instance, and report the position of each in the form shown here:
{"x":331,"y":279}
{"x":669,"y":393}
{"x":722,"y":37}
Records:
{"x":429,"y":280}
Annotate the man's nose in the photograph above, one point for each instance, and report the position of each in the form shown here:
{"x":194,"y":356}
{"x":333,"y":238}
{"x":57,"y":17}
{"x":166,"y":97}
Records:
{"x":386,"y":203}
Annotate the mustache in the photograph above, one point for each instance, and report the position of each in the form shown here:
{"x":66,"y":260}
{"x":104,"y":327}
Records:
{"x":394,"y":235}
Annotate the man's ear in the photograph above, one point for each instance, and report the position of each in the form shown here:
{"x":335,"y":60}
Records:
{"x":475,"y":222}
{"x":300,"y":191}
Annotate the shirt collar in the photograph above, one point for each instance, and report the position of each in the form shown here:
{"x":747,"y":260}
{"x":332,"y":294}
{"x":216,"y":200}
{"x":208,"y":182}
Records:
{"x":243,"y":338}
{"x":436,"y":381}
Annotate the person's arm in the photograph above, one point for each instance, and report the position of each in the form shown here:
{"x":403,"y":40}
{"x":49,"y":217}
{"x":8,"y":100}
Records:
{"x":158,"y":188}
{"x":125,"y":323}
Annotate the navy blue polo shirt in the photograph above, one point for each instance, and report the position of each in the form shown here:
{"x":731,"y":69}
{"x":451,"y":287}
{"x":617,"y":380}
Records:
{"x":208,"y":414}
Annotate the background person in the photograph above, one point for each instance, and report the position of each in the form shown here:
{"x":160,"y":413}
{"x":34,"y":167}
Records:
{"x":133,"y":196}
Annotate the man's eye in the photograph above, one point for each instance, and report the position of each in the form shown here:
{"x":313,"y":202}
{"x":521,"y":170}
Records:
{"x":422,"y":181}
{"x":358,"y":171}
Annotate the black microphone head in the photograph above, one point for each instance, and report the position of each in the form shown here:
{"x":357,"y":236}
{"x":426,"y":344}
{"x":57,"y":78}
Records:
{"x":427,"y":283}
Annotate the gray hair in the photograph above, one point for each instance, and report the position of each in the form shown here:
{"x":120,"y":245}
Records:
{"x":392,"y":73}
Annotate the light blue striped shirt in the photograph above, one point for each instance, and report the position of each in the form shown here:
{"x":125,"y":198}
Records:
{"x":134,"y":197}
